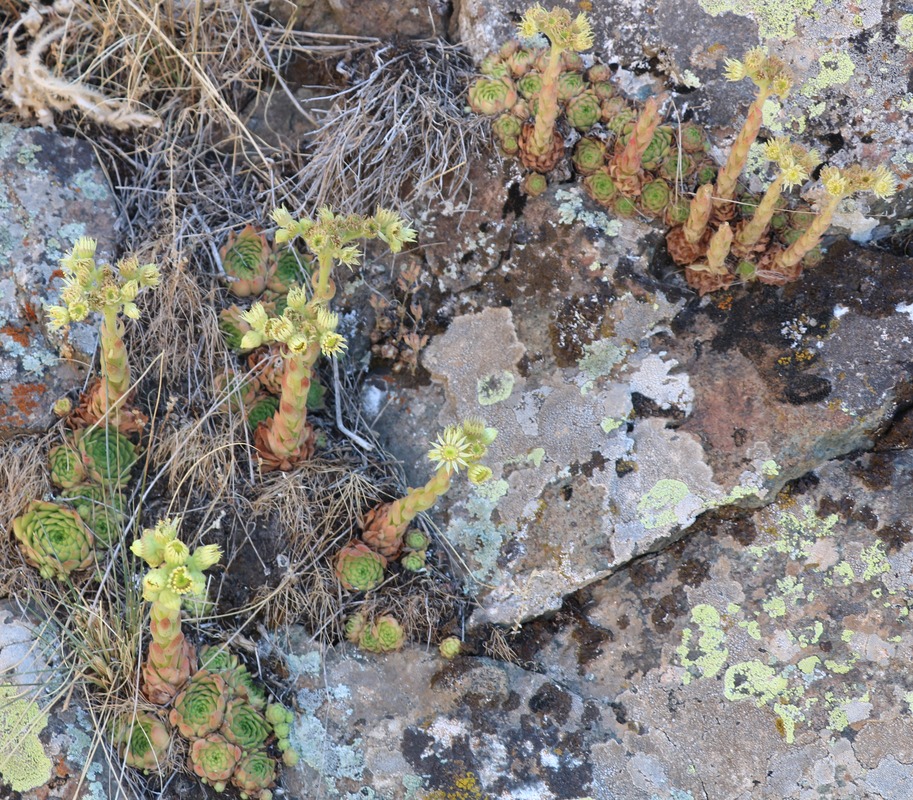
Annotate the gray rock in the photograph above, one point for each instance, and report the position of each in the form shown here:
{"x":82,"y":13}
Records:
{"x":52,"y":191}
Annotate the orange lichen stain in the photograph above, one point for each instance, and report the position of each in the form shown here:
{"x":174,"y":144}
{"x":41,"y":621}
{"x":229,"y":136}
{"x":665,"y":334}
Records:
{"x":24,"y":397}
{"x":724,"y":303}
{"x":780,"y":725}
{"x":57,"y":273}
{"x":20,"y":335}
{"x":29,"y":312}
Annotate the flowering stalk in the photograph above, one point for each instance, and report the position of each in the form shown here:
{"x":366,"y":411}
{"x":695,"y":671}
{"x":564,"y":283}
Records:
{"x":838,"y":184}
{"x":564,"y":33}
{"x":458,"y":446}
{"x":175,"y":578}
{"x":305,"y":330}
{"x":626,"y":165}
{"x":699,"y":214}
{"x":111,"y":291}
{"x":795,"y":165}
{"x":771,"y":77}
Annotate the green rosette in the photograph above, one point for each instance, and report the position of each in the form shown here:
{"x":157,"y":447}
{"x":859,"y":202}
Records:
{"x":263,"y":408}
{"x":584,"y":111}
{"x":450,"y":647}
{"x":570,"y":84}
{"x":245,"y":259}
{"x":214,"y":759}
{"x":658,"y":149}
{"x":101,"y":509}
{"x":589,"y":155}
{"x":492,"y":95}
{"x":288,"y":267}
{"x":214,"y":658}
{"x":600,"y":186}
{"x":655,"y":196}
{"x":244,"y":685}
{"x":530,"y":85}
{"x":359,"y":568}
{"x":54,"y":539}
{"x":142,"y":741}
{"x":244,"y":726}
{"x":107,"y":455}
{"x":384,"y":636}
{"x":693,"y":139}
{"x":200,"y":708}
{"x":254,"y":774}
{"x":66,"y":467}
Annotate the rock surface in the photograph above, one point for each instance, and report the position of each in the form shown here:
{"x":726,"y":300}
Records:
{"x":42,"y":756}
{"x":626,"y":406}
{"x":412,"y":18}
{"x":52,"y":191}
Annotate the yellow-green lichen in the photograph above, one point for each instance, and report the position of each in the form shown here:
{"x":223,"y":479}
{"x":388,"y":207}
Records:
{"x":535,"y":456}
{"x":608,"y":424}
{"x":796,"y":535}
{"x":657,"y":507}
{"x":807,"y":665}
{"x":774,"y":19}
{"x":905,"y":32}
{"x":23,"y":762}
{"x":751,"y":628}
{"x":712,"y":654}
{"x":753,"y":680}
{"x":875,"y":561}
{"x":775,"y":607}
{"x":844,"y":571}
{"x":835,"y":69}
{"x":495,"y":387}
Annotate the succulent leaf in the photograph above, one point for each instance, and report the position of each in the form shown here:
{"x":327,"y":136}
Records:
{"x":67,"y":469}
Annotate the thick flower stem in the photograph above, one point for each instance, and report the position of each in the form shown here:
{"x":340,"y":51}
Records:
{"x":812,"y":235}
{"x":755,"y":228}
{"x":323,"y":286}
{"x":738,"y":156}
{"x":699,"y":214}
{"x":288,"y":426}
{"x":170,"y":660}
{"x":547,"y":112}
{"x":114,"y":385}
{"x":628,"y":162}
{"x":401,"y":512}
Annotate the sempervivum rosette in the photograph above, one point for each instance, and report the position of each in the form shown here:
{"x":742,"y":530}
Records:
{"x":217,"y":659}
{"x":244,"y":726}
{"x":242,"y":684}
{"x":359,"y":568}
{"x":200,"y":708}
{"x":107,"y":455}
{"x":383,"y":636}
{"x":142,"y":741}
{"x":54,"y":539}
{"x":66,"y":466}
{"x":255,"y":774}
{"x":213,"y":759}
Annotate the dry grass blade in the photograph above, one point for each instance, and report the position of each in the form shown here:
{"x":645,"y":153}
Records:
{"x":398,"y":133}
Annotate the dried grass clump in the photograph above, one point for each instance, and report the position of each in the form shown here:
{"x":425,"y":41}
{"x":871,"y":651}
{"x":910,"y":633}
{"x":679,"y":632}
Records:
{"x":396,"y":134}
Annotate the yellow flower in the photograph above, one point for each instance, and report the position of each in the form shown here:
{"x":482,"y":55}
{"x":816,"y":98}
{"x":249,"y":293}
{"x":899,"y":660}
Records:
{"x":834,"y":182}
{"x":176,"y":552}
{"x":59,"y":316}
{"x":479,"y":473}
{"x":451,"y":451}
{"x":734,"y":70}
{"x":332,"y":343}
{"x":256,"y":317}
{"x":884,"y":183}
{"x":206,"y":556}
{"x":792,"y":172}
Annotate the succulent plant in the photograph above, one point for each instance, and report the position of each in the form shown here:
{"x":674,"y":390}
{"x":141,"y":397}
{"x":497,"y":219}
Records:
{"x":624,"y":206}
{"x":287,"y":267}
{"x":618,"y":122}
{"x":214,"y":759}
{"x":107,"y":455}
{"x":244,"y":726}
{"x":492,"y":95}
{"x":245,"y":259}
{"x":507,"y":126}
{"x":383,"y":635}
{"x":600,"y":186}
{"x":414,"y":560}
{"x":521,"y":61}
{"x":67,"y":469}
{"x":359,"y":568}
{"x":589,"y":155}
{"x":141,"y":740}
{"x":677,"y":211}
{"x":200,"y":708}
{"x":54,"y":539}
{"x":530,"y":85}
{"x":450,"y":647}
{"x":100,"y":509}
{"x":534,"y":184}
{"x":693,"y":139}
{"x":570,"y":84}
{"x":234,"y":391}
{"x":416,"y":540}
{"x":262,"y":409}
{"x":244,"y":685}
{"x":354,"y":627}
{"x":655,"y":196}
{"x":254,"y":773}
{"x":584,"y":111}
{"x":676,"y":166}
{"x":494,"y":67}
{"x":233,"y":328}
{"x":215,"y":658}
{"x":705,"y":172}
{"x":658,"y":148}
